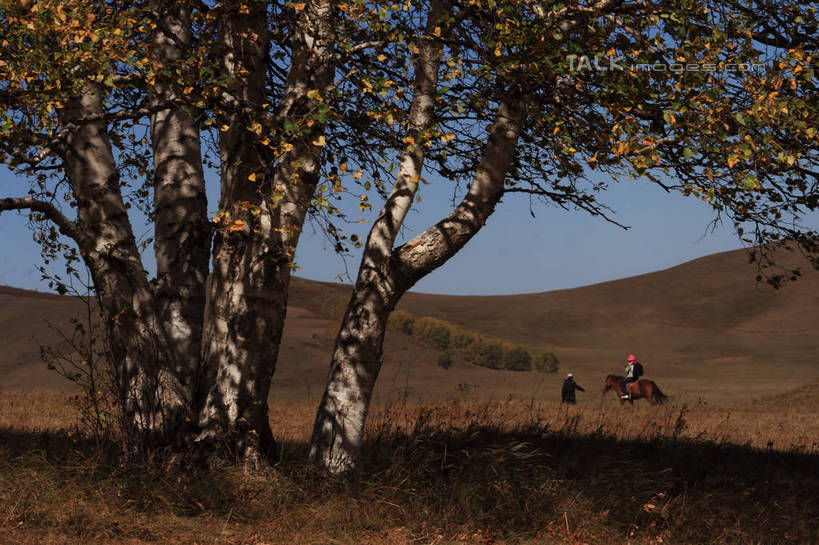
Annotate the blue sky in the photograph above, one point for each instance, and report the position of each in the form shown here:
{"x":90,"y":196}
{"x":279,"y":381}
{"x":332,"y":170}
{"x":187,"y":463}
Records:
{"x":513,"y":253}
{"x":516,"y":253}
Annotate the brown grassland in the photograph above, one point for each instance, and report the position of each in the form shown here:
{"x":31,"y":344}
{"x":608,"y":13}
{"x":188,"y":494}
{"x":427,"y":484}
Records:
{"x":450,"y":472}
{"x":470,"y":455}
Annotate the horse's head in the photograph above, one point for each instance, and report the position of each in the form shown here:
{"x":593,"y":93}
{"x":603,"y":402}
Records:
{"x":611,"y":380}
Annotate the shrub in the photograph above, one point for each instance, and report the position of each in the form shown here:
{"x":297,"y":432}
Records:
{"x":444,"y":360}
{"x":434,"y":332}
{"x":489,"y":353}
{"x":517,"y":359}
{"x":492,"y":352}
{"x":461,"y":340}
{"x":547,"y":363}
{"x":402,"y":321}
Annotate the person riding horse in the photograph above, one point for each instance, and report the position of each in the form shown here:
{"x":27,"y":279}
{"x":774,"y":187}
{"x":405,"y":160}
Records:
{"x":633,"y":371}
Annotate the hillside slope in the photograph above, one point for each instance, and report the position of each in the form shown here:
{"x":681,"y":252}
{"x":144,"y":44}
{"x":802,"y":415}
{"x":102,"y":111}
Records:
{"x":705,"y":330}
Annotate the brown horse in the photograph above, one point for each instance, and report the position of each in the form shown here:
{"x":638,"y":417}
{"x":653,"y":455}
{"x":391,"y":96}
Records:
{"x":639,"y":389}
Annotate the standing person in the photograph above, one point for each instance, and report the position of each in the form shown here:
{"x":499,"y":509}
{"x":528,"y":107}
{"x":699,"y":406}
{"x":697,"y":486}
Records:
{"x":569,"y":386}
{"x":633,"y":371}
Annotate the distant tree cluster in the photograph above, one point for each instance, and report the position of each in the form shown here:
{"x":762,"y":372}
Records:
{"x":492,"y":352}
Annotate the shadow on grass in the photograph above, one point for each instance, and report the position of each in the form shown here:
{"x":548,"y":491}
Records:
{"x":479,"y":483}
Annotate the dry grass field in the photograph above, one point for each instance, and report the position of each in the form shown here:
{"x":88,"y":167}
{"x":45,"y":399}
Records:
{"x":458,"y":472}
{"x":470,"y":455}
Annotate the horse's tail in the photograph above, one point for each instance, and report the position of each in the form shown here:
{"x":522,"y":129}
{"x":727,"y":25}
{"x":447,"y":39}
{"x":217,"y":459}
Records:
{"x":659,"y":396}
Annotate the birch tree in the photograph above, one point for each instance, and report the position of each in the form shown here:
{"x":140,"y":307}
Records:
{"x":665,"y":106}
{"x":109,"y":106}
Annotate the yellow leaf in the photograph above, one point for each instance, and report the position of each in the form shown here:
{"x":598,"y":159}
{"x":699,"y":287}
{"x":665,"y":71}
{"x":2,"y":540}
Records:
{"x":313,"y":94}
{"x":358,"y":174}
{"x":299,"y":6}
{"x":320,"y":141}
{"x":252,"y":177}
{"x":237,"y":225}
{"x":732,"y":160}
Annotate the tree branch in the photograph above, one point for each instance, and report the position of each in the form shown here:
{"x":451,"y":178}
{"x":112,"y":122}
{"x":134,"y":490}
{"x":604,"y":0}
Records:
{"x":51,"y":212}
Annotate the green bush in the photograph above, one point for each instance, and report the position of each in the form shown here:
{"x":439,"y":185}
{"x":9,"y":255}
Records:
{"x":444,"y":360}
{"x":461,"y":339}
{"x":491,"y":352}
{"x":402,"y":321}
{"x":488,"y":353}
{"x":517,"y":359}
{"x":433,"y":331}
{"x":547,"y":363}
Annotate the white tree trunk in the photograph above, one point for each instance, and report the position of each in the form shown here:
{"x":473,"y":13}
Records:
{"x":251,"y":267}
{"x":356,"y":357}
{"x":154,"y":408}
{"x":182,"y":233}
{"x":339,"y":428}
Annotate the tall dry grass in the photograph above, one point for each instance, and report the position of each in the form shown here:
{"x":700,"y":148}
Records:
{"x":457,"y":472}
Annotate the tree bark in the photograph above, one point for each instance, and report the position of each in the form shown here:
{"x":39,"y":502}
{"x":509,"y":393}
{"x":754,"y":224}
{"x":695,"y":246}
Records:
{"x":252,"y":264}
{"x":386,"y":274}
{"x":182,"y":233}
{"x":151,"y":397}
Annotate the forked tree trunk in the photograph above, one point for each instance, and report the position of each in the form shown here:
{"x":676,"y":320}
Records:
{"x":252,"y":263}
{"x":344,"y":404}
{"x":339,"y":428}
{"x":151,"y":397}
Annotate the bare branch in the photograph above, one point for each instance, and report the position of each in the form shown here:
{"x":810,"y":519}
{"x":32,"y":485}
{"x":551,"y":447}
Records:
{"x":51,"y":212}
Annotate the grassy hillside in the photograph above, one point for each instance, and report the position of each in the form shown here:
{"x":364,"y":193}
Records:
{"x":705,"y":330}
{"x":470,"y":455}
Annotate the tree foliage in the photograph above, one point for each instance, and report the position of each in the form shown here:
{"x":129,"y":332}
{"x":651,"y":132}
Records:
{"x":108,"y":106}
{"x":701,"y":97}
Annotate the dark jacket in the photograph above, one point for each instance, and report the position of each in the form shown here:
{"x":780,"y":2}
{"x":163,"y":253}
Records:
{"x":569,"y":386}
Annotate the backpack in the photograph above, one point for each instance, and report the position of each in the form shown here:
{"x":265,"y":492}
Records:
{"x":638,"y":369}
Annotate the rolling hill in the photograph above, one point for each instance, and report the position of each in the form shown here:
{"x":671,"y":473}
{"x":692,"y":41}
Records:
{"x":705,"y":331}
